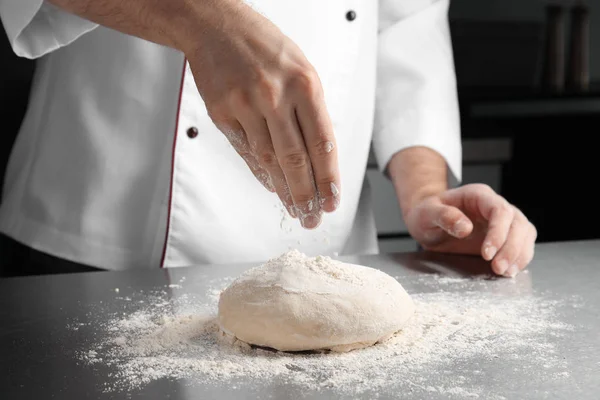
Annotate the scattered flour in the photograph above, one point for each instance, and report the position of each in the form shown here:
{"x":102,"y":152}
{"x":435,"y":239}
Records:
{"x":285,"y":224}
{"x":327,"y":269}
{"x":175,"y":286}
{"x":441,"y":351}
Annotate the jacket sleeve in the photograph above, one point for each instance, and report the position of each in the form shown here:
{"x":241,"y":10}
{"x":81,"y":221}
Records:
{"x":417,"y":102}
{"x":36,"y":27}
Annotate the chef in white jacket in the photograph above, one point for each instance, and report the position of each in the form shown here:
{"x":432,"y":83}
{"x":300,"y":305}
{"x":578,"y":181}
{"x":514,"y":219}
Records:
{"x":180,"y":132}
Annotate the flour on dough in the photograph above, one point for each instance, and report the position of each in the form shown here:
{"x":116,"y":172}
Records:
{"x":298,"y":303}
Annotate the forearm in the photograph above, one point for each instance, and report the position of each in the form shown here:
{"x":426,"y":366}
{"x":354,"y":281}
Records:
{"x":417,"y":173}
{"x":173,"y":23}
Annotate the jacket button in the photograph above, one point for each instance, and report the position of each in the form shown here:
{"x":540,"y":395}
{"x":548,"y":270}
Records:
{"x":192,"y":132}
{"x":351,"y":15}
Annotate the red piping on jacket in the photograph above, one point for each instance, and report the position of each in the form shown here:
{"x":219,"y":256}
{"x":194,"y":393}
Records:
{"x":162,"y":261}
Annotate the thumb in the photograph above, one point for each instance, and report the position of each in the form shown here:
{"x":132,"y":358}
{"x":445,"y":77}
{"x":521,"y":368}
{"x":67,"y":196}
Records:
{"x":451,"y":220}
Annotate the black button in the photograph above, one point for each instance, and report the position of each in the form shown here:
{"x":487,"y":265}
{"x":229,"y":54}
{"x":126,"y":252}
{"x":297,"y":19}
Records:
{"x":192,"y":132}
{"x":351,"y":15}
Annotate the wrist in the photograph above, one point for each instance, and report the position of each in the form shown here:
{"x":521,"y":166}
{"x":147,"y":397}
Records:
{"x":186,"y":25}
{"x":201,"y":22}
{"x":417,"y":174}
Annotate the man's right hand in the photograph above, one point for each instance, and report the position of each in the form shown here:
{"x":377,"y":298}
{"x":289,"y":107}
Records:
{"x":259,"y":89}
{"x":264,"y":95}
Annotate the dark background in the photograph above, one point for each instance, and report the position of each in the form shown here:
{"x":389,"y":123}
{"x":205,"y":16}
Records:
{"x":499,"y":54}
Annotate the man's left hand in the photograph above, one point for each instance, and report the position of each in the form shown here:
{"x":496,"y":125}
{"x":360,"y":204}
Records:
{"x":473,"y":219}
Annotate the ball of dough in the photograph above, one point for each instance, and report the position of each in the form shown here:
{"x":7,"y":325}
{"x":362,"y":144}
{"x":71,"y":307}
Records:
{"x":298,"y":303}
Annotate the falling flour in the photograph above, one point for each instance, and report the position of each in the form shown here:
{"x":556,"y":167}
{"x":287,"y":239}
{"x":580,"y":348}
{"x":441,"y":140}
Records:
{"x":178,"y":339}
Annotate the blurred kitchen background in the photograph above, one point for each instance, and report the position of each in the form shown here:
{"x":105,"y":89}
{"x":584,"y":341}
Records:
{"x":529,"y":89}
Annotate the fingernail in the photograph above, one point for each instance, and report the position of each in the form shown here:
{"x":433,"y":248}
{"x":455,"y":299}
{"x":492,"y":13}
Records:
{"x":310,"y":221}
{"x":335,"y":200}
{"x":334,"y":190}
{"x":502,"y":267}
{"x":489,"y":251}
{"x":459,"y":227}
{"x":512,"y":271}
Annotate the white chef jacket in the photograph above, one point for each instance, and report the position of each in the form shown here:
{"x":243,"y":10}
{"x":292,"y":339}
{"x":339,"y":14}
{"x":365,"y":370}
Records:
{"x":104,"y":173}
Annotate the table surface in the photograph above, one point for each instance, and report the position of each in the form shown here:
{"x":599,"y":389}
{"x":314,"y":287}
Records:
{"x":37,"y":348}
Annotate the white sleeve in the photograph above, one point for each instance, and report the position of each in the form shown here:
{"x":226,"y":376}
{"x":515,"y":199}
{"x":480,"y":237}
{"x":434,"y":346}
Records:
{"x":35,"y":27}
{"x":417,"y":102}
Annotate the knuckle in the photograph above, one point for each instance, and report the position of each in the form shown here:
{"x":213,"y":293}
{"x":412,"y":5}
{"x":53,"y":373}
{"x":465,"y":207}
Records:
{"x":326,"y":181}
{"x":504,"y":211}
{"x":268,"y":92}
{"x":268,"y":158}
{"x":296,"y":160}
{"x":324,"y":147}
{"x":483,"y":188}
{"x":307,"y":81}
{"x":516,"y":211}
{"x":507,"y":209}
{"x":239,"y":98}
{"x":519,"y":214}
{"x":272,"y":100}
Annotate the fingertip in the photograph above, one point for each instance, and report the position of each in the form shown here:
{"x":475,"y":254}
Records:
{"x":512,"y":271}
{"x":500,"y":266}
{"x":310,"y":221}
{"x":488,"y":251}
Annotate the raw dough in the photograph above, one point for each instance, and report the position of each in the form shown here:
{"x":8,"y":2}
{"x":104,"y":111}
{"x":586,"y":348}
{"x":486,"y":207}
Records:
{"x":297,"y":303}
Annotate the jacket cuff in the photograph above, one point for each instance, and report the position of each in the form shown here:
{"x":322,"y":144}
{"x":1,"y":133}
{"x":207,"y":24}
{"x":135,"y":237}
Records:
{"x":35,"y":27}
{"x":417,"y":101}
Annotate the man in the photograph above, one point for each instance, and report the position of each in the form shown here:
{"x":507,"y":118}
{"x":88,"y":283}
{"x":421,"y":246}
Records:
{"x":148,"y":118}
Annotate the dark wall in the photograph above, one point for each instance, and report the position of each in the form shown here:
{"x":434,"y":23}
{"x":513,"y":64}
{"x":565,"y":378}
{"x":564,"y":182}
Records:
{"x":529,"y":10}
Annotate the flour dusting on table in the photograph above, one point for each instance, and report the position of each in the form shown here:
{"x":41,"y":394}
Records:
{"x":155,"y":337}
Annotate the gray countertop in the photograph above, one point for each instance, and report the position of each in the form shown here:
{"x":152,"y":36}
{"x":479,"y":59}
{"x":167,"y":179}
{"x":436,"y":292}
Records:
{"x":39,"y":347}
